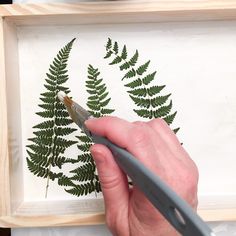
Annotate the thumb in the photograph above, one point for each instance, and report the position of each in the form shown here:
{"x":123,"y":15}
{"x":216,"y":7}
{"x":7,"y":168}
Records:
{"x":113,"y":181}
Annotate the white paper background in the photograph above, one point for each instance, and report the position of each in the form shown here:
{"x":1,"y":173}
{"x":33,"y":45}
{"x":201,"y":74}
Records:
{"x":190,"y":61}
{"x":195,"y":60}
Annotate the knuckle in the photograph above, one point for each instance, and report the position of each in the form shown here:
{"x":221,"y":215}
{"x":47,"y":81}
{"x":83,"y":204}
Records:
{"x":139,"y":135}
{"x":109,"y":182}
{"x":160,"y":122}
{"x":139,"y":123}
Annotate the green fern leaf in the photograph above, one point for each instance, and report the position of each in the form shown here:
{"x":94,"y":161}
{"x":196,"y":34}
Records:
{"x":85,"y":157}
{"x":124,"y":53}
{"x":61,"y":131}
{"x":48,"y":146}
{"x":141,"y":92}
{"x":160,"y":100}
{"x":41,"y":139}
{"x":61,"y":113}
{"x":108,"y":54}
{"x":148,"y":78}
{"x":63,"y":121}
{"x":176,"y":130}
{"x":46,"y":114}
{"x":82,"y":189}
{"x":44,"y":132}
{"x":141,"y":102}
{"x":102,"y":96}
{"x":134,"y":84}
{"x":62,"y":79}
{"x":84,"y":147}
{"x":88,"y":176}
{"x":150,"y":103}
{"x":59,"y":106}
{"x":47,"y":106}
{"x":63,"y":89}
{"x":50,"y":82}
{"x":94,"y":107}
{"x":41,"y":159}
{"x":117,"y":60}
{"x":90,"y":91}
{"x":130,"y":74}
{"x":63,"y":142}
{"x":144,"y":113}
{"x":143,"y":68}
{"x":170,"y":118}
{"x":40,"y":149}
{"x":105,"y":103}
{"x":125,"y":66}
{"x":133,"y":60}
{"x":48,"y":94}
{"x":109,"y":44}
{"x":49,"y":87}
{"x":49,"y":100}
{"x":51,"y":77}
{"x":162,"y":111}
{"x":154,"y":90}
{"x":97,"y":102}
{"x":101,"y":87}
{"x":116,"y":48}
{"x":106,"y":111}
{"x":41,"y":171}
{"x":44,"y":125}
{"x":65,"y":181}
{"x":84,"y":138}
{"x":98,"y":82}
{"x":93,"y":102}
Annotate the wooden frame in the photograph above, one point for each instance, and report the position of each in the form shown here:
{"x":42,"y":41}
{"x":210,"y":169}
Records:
{"x":14,"y":212}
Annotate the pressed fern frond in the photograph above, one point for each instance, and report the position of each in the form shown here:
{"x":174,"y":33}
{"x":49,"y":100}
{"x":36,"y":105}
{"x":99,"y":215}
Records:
{"x":84,"y":177}
{"x":49,"y":142}
{"x":146,"y":96}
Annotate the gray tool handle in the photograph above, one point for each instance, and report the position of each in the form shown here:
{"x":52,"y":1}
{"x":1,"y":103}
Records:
{"x":171,"y":206}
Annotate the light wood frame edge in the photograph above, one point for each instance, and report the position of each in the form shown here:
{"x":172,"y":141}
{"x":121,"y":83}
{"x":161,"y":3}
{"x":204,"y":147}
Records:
{"x":4,"y":163}
{"x":6,"y":218}
{"x":103,"y":7}
{"x":95,"y":219}
{"x":52,"y":220}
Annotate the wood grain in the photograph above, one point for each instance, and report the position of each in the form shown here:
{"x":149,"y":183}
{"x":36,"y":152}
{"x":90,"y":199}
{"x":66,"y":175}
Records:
{"x":28,"y":214}
{"x":52,"y":220}
{"x":13,"y":115}
{"x":218,"y":214}
{"x":4,"y":157}
{"x":115,"y":7}
{"x":60,"y":207}
{"x":123,"y":11}
{"x":95,"y":218}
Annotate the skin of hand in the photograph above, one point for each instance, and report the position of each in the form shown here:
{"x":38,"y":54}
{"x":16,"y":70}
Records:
{"x":128,"y":212}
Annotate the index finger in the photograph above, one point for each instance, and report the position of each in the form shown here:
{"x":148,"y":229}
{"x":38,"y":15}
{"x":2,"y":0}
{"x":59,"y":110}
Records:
{"x":114,"y":128}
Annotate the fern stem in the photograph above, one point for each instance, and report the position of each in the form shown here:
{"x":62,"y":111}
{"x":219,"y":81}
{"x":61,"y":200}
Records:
{"x":47,"y":185}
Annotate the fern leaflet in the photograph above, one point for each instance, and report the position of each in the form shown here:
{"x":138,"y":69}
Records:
{"x":84,"y":177}
{"x":146,"y":96}
{"x":47,"y":146}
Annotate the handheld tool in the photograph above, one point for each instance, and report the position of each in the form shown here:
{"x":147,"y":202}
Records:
{"x":179,"y":214}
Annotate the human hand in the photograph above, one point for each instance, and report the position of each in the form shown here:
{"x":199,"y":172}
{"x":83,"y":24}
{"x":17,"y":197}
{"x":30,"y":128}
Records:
{"x":128,"y":212}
